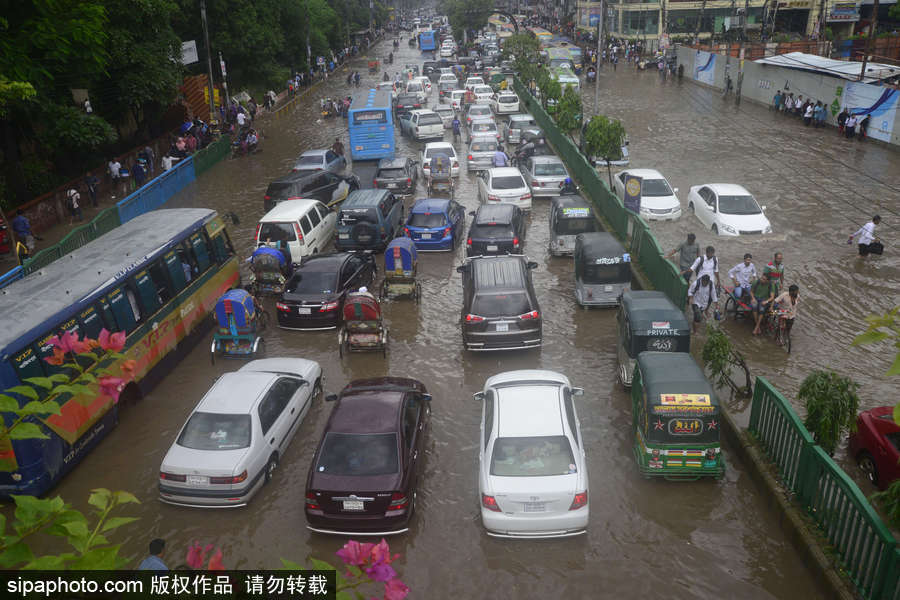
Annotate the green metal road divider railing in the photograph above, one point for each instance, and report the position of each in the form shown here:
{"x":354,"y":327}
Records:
{"x":206,"y":158}
{"x":631,"y":229}
{"x":865,"y":547}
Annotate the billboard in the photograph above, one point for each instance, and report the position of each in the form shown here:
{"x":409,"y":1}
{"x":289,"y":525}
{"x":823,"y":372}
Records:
{"x":877,"y":102}
{"x":843,"y":12}
{"x":704,"y":67}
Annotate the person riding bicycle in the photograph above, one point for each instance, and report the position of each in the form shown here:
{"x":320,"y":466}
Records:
{"x":569,"y":188}
{"x":500,"y":158}
{"x":455,"y":124}
{"x":787,"y":302}
{"x":763,"y":293}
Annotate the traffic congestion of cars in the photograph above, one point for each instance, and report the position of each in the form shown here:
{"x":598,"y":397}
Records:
{"x":532,"y":463}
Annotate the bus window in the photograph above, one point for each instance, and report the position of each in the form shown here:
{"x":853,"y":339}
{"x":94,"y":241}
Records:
{"x":45,"y":350}
{"x":109,"y":319}
{"x":161,"y":281}
{"x":188,"y":263}
{"x":176,"y":270}
{"x":123,"y":309}
{"x":201,"y":253}
{"x":147,"y":293}
{"x":28,"y":364}
{"x":91,"y":322}
{"x":222,"y":247}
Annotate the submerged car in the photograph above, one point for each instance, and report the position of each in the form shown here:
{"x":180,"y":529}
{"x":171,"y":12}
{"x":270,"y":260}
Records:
{"x":364,"y":475}
{"x":435,"y":224}
{"x":481,"y":152}
{"x":232,"y":441}
{"x":532,"y":470}
{"x":875,"y":445}
{"x":728,"y":209}
{"x":658,"y":200}
{"x":504,"y":184}
{"x":496,"y":229}
{"x":545,"y":175}
{"x":320,"y":160}
{"x":396,"y":174}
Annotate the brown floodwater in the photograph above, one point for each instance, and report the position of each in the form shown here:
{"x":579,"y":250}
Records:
{"x":654,"y":538}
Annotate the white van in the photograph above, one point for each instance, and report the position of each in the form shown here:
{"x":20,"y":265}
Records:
{"x":305,"y":226}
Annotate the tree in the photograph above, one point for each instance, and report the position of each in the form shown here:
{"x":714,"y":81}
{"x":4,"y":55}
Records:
{"x":831,"y":404}
{"x":604,"y":138}
{"x":894,"y":12}
{"x":467,"y":15}
{"x":524,"y":50}
{"x":884,"y":328}
{"x":568,"y":113}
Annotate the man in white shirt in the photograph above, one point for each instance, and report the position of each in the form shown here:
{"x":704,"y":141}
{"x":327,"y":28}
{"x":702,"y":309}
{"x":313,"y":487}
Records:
{"x":707,"y":265}
{"x":702,"y":295}
{"x":114,"y":166}
{"x":241,"y":119}
{"x":742,"y":274}
{"x":866,"y":235}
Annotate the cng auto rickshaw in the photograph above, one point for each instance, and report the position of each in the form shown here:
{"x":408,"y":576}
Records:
{"x":648,"y":320}
{"x":569,"y":216}
{"x":602,"y":269}
{"x":400,"y":265}
{"x":675,"y":418}
{"x":239,"y":322}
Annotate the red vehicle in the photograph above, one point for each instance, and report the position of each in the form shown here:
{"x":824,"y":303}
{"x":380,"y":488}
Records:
{"x":365,"y":472}
{"x":876,"y":445}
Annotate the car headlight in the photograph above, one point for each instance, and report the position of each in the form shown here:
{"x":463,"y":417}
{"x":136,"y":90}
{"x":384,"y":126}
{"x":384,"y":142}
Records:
{"x":768,"y":229}
{"x":729,"y":228}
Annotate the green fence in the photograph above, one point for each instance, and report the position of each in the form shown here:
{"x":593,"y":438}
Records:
{"x":206,"y":158}
{"x":107,"y":220}
{"x":631,"y":229}
{"x":865,"y":547}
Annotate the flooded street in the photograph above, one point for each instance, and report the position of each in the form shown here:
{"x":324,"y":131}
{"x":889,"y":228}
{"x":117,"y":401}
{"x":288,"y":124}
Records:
{"x":662,"y":539}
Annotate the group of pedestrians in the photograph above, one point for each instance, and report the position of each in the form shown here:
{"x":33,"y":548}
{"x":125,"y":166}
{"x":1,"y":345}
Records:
{"x":850,"y":125}
{"x":812,"y":113}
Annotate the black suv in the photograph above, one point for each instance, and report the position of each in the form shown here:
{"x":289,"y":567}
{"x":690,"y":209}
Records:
{"x":406,"y":103}
{"x":500,"y":310}
{"x":323,"y":186}
{"x":397,"y":174}
{"x":496,"y":229}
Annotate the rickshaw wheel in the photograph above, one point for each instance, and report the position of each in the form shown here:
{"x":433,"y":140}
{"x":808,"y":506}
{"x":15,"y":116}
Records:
{"x":384,"y":347}
{"x":212,"y":353}
{"x":260,"y":349}
{"x":342,"y":340}
{"x":730,"y":308}
{"x":418,"y":292}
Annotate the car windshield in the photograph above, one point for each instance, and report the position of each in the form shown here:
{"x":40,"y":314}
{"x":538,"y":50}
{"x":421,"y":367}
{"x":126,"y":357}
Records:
{"x":539,"y":456}
{"x":575,"y":226}
{"x":391,"y":174}
{"x":429,"y":220}
{"x":358,"y":454}
{"x":448,"y":150}
{"x":475,"y":81}
{"x":505,"y":304}
{"x":349,"y":216}
{"x":508,"y":99}
{"x":492,"y":231}
{"x":277,"y":232}
{"x":738,"y":205}
{"x":310,"y":160}
{"x":430,"y":119}
{"x":215,"y":431}
{"x":312,"y":282}
{"x":483,"y":89}
{"x":483,"y":126}
{"x":599,"y":274}
{"x":507,"y":182}
{"x":549,"y":169}
{"x":655,"y":187}
{"x":489,"y":146}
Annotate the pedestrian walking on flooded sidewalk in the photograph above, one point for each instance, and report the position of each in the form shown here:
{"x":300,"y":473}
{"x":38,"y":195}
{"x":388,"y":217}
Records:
{"x":688,"y":251}
{"x":868,"y":242}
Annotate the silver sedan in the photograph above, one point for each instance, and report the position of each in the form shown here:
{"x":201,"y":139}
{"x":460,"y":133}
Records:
{"x":545,"y":175}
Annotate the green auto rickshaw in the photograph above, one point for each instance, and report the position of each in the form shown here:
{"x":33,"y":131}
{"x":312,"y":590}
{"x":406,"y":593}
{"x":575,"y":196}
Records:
{"x":648,"y":320}
{"x":675,"y":418}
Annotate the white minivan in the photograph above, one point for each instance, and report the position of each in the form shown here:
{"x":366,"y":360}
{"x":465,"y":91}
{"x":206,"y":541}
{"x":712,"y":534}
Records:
{"x":305,"y":226}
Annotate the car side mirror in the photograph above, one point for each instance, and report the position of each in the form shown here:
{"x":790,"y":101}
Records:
{"x":461,"y":268}
{"x":478,"y":396}
{"x":764,"y":207}
{"x":426,"y":397}
{"x":577,"y":391}
{"x":532,"y":265}
{"x":675,"y":190}
{"x":331,"y":398}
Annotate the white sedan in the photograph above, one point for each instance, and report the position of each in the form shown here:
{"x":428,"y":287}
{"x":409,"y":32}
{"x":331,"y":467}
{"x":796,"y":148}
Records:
{"x":532,"y":470}
{"x":483,"y":93}
{"x":232,"y":442}
{"x":433,"y":148}
{"x":728,"y":209}
{"x":658,"y":199}
{"x":504,"y":184}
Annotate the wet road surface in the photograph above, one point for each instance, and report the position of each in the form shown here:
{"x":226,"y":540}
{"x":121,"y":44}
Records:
{"x":691,"y":540}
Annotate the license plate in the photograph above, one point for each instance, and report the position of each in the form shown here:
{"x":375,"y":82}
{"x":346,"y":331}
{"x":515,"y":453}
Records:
{"x":426,"y":236}
{"x":492,"y":248}
{"x":531,"y":507}
{"x":607,"y":288}
{"x":197,"y":480}
{"x":392,"y":186}
{"x":353,"y":505}
{"x":304,"y":311}
{"x":344,"y":236}
{"x":502,"y":326}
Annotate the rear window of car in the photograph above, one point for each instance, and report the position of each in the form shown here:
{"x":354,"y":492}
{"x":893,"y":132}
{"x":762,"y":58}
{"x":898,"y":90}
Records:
{"x":539,"y":456}
{"x":508,"y":182}
{"x":312,"y":282}
{"x":277,"y":232}
{"x":549,"y":169}
{"x":429,"y":220}
{"x":215,"y":431}
{"x":414,"y":87}
{"x":485,"y":126}
{"x":406,"y":99}
{"x":430,"y":119}
{"x":448,"y":150}
{"x":350,"y":216}
{"x":278,"y":189}
{"x":484,"y":146}
{"x":507,"y":304}
{"x":390,"y":174}
{"x":508,"y":99}
{"x":354,"y":454}
{"x":479,"y":110}
{"x":483,"y":89}
{"x":310,"y":160}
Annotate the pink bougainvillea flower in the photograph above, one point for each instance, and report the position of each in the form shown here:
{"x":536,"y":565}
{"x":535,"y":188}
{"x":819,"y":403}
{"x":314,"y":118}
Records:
{"x":215,"y":563}
{"x":112,"y":387}
{"x":381,"y":572}
{"x":354,"y":553}
{"x":395,"y":590}
{"x":128,"y":369}
{"x":196,"y":555}
{"x":382,"y":553}
{"x":58,"y":358}
{"x":68,"y":342}
{"x":112,"y":341}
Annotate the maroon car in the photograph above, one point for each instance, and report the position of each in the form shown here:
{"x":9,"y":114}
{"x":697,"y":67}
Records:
{"x":364,"y":474}
{"x":876,"y":445}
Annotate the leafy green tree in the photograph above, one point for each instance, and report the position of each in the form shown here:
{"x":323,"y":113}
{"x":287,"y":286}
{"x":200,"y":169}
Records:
{"x":467,"y":15}
{"x":721,"y":357}
{"x":524,"y":50}
{"x":831,"y":405}
{"x":884,"y":328}
{"x":894,"y":12}
{"x":568,"y":114}
{"x":603,"y":138}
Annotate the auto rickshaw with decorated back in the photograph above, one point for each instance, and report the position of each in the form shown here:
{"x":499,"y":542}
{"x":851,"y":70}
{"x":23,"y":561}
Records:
{"x":239,"y":322}
{"x":648,"y":320}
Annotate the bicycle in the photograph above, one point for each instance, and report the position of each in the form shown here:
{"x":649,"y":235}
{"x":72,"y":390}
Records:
{"x":776,"y":324}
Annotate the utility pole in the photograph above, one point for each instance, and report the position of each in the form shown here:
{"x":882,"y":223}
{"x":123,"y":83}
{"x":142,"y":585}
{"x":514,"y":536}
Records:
{"x":224,"y":78}
{"x":212,"y":103}
{"x":699,"y":23}
{"x":740,"y":81}
{"x":309,"y":62}
{"x":599,"y":58}
{"x":872,"y":28}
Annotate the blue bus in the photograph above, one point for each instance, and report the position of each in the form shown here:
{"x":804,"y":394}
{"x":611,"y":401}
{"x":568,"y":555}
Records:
{"x":156,"y":278}
{"x":371,"y":125}
{"x":426,"y":41}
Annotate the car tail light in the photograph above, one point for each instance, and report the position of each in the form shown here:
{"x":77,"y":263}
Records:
{"x":470,"y":157}
{"x":375,"y":183}
{"x":526,"y":197}
{"x":328,"y":306}
{"x":470,"y":318}
{"x":516,"y":242}
{"x":258,"y":227}
{"x":590,"y":293}
{"x":408,"y":181}
{"x":172,"y":477}
{"x":492,"y":198}
{"x":489,"y":502}
{"x":469,"y":242}
{"x":399,"y":501}
{"x":536,"y":183}
{"x":406,"y":231}
{"x":282,"y":306}
{"x":579,"y":501}
{"x":229,"y":480}
{"x":311,"y":502}
{"x":299,"y":233}
{"x":530,"y":315}
{"x":446,"y":232}
{"x":417,"y":105}
{"x":267,"y":197}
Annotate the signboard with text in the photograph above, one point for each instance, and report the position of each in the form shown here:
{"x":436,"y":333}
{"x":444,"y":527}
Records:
{"x":843,"y":12}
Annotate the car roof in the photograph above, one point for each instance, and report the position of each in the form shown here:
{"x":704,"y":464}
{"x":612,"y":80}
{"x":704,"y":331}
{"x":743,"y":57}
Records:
{"x":393,"y":163}
{"x":319,"y":263}
{"x":648,"y":307}
{"x":645,"y":173}
{"x":499,"y":272}
{"x":526,"y":376}
{"x":521,"y":117}
{"x":727,"y":189}
{"x":528,"y":410}
{"x":367,"y":411}
{"x":295,"y":176}
{"x":571,"y":202}
{"x":430,"y":205}
{"x":236,"y":393}
{"x":280,"y":366}
{"x":430,"y":145}
{"x":364,"y":198}
{"x":545,"y":158}
{"x":320,"y":152}
{"x":599,"y":244}
{"x":672,"y":373}
{"x":500,"y":212}
{"x":421,"y":111}
{"x":289,"y":209}
{"x":504,"y":171}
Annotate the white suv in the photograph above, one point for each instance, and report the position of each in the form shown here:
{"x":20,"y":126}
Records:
{"x":426,"y":124}
{"x":532,"y":470}
{"x":305,"y":226}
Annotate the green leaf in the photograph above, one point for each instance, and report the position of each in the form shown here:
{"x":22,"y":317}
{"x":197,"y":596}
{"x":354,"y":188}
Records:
{"x":36,"y":407}
{"x":116,"y":522}
{"x":126,"y":498}
{"x":59,"y":378}
{"x":897,"y":414}
{"x":44,"y":382}
{"x":46,"y":563}
{"x":870,"y":337}
{"x":8,"y":403}
{"x":106,"y":559}
{"x":2,"y":524}
{"x":895,"y":367}
{"x":100,"y":498}
{"x":90,"y":355}
{"x":321,"y":565}
{"x":16,"y":554}
{"x":27,"y":431}
{"x":23,"y":390}
{"x":291,"y":565}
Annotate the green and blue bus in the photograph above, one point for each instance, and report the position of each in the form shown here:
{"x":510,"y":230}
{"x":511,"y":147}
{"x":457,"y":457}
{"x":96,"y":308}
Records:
{"x":156,"y":277}
{"x":371,"y":125}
